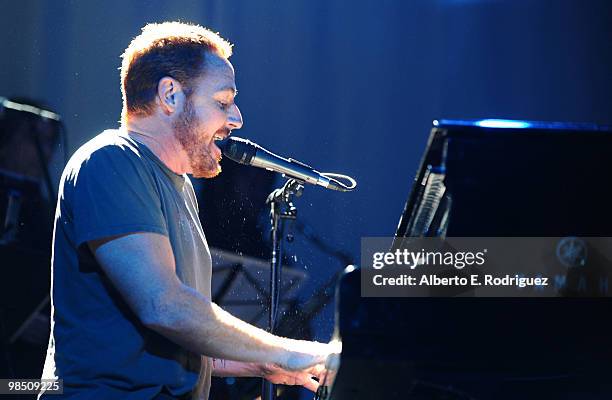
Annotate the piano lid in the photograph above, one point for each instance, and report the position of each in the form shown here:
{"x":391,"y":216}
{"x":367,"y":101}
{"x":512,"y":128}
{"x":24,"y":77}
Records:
{"x":499,"y":177}
{"x":520,"y":124}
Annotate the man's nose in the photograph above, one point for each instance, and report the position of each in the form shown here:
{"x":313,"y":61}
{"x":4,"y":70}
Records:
{"x":234,"y":119}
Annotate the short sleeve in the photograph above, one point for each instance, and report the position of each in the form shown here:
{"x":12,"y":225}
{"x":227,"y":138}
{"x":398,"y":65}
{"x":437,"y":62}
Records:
{"x":112,"y":192}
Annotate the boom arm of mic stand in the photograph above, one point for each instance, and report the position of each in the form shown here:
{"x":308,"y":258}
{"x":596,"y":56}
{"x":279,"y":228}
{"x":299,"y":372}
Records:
{"x":281,"y":208}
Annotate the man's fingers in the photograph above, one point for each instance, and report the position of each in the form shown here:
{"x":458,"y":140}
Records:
{"x":311,"y":385}
{"x":294,"y":378}
{"x":318,"y":370}
{"x":305,"y":380}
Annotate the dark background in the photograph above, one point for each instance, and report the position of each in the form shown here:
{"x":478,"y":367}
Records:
{"x":346,"y":86}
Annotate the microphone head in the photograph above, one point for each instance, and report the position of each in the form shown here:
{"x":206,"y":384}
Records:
{"x":238,"y":149}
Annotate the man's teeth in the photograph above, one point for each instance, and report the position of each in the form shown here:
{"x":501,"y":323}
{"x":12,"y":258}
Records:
{"x":218,"y":137}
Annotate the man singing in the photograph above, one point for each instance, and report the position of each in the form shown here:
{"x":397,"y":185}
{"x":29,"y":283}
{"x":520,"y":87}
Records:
{"x":132,"y":313}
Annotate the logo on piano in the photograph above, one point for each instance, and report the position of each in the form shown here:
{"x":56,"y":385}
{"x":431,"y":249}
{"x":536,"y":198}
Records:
{"x":572,"y":252}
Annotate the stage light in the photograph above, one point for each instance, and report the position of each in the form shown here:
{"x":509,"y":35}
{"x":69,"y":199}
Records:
{"x":502,"y":123}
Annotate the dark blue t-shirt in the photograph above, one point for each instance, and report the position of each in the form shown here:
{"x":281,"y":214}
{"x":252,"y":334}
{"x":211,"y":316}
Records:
{"x":114,"y":185}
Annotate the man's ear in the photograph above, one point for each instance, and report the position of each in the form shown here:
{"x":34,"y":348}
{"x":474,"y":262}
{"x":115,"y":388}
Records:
{"x":169,"y":92}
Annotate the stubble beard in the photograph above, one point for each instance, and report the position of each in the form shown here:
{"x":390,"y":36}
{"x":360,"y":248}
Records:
{"x":203,"y":163}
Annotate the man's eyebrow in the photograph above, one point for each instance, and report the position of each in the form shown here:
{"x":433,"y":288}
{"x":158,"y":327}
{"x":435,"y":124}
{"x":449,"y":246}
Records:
{"x":229,"y":89}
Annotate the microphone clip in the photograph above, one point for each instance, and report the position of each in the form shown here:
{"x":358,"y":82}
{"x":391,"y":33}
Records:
{"x":282,"y":195}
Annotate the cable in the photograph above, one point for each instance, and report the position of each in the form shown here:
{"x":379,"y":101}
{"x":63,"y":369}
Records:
{"x":341,"y":186}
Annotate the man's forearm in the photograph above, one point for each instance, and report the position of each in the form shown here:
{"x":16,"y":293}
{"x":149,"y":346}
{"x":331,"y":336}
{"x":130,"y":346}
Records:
{"x":197,"y":324}
{"x":224,"y":368}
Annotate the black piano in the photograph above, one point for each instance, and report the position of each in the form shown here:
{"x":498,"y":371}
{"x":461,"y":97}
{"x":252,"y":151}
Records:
{"x":490,"y":178}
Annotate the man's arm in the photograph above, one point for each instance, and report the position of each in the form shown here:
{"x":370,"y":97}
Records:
{"x":276,"y":375}
{"x":141,"y":267}
{"x":224,"y":368}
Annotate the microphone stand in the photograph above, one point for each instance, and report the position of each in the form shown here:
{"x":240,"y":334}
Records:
{"x":281,"y":209}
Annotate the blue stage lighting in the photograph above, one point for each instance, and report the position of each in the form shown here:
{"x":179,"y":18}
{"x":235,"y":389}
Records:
{"x":502,"y":123}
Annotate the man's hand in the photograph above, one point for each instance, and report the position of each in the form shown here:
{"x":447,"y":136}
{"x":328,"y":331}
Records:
{"x":271,"y":372}
{"x":306,"y":378}
{"x":305,"y":354}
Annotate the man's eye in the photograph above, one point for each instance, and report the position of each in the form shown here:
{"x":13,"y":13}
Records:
{"x":223,"y":106}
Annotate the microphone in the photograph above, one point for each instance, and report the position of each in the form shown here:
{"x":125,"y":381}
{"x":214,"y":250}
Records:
{"x":244,"y":151}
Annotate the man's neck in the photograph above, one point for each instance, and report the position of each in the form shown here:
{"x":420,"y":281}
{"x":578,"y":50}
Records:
{"x":161,"y":141}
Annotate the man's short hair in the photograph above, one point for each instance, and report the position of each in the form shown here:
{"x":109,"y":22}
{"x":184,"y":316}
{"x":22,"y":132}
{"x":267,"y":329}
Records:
{"x":172,"y":49}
